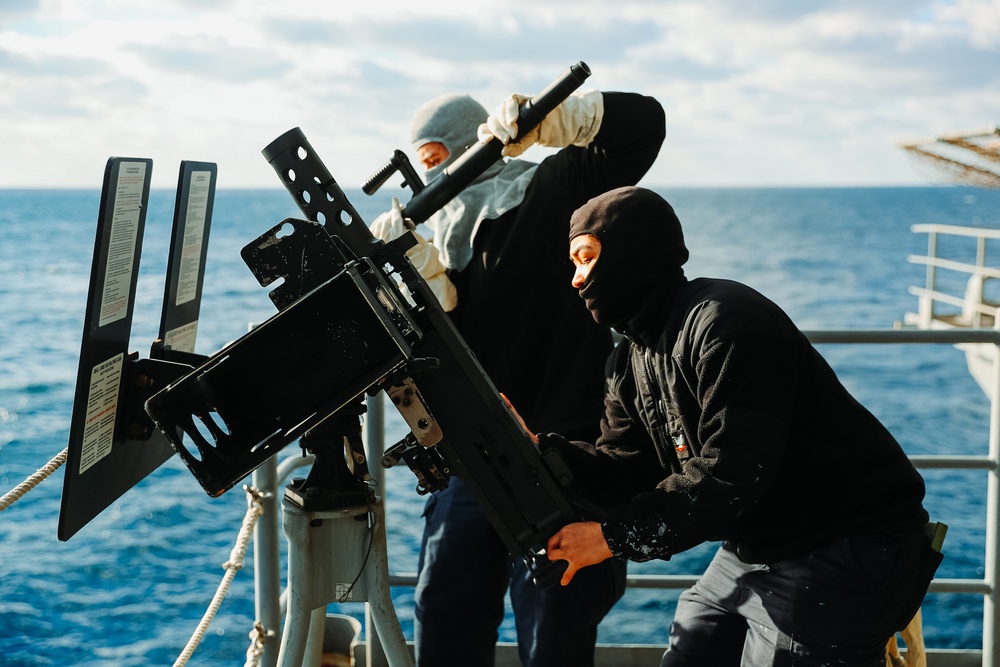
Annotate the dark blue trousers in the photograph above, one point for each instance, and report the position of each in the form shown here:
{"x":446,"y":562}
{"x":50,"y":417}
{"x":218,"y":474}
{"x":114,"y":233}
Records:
{"x":836,"y":605}
{"x":464,"y":573}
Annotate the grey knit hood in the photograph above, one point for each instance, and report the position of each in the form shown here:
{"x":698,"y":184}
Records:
{"x":453,"y":121}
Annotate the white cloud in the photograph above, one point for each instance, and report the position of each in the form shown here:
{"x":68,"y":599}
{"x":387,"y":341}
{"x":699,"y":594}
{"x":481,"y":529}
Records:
{"x":768,"y":93}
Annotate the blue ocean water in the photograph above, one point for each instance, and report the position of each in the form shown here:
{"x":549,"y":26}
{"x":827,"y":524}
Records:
{"x":132,"y":585}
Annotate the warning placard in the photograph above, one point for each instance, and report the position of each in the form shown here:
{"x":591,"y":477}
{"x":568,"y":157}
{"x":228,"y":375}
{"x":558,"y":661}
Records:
{"x":121,"y":248}
{"x":182,"y":338}
{"x":102,"y":409}
{"x":194,"y":236}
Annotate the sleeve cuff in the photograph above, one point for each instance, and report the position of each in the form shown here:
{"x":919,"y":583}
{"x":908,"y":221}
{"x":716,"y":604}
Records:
{"x":638,"y":541}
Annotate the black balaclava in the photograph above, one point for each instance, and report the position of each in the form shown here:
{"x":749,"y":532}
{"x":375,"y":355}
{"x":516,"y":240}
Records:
{"x":642,"y":251}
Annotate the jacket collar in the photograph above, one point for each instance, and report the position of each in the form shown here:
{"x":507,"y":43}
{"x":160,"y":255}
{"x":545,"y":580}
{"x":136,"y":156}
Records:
{"x":656,"y":314}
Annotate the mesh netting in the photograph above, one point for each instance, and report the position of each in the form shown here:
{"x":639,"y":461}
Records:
{"x":969,"y":157}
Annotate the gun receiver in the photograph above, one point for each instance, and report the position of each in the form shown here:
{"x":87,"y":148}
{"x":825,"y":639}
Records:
{"x":344,"y":328}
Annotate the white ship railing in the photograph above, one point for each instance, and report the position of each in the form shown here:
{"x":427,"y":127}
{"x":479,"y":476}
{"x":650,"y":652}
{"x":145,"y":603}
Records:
{"x":973,"y":308}
{"x":270,"y":477}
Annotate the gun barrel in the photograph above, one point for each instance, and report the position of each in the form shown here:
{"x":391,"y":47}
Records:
{"x":471,"y":164}
{"x":316,"y":191}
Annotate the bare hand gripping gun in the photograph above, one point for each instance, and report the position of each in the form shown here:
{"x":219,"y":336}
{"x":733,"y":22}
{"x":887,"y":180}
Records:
{"x":344,"y":328}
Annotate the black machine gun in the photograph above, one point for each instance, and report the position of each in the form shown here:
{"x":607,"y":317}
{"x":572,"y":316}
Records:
{"x":344,"y":329}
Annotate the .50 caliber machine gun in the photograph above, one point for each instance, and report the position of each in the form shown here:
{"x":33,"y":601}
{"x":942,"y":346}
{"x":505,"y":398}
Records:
{"x":344,"y":329}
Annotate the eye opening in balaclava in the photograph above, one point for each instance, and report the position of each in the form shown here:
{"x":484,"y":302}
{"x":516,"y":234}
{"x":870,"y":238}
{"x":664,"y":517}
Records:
{"x":642,"y":249}
{"x":452,"y":120}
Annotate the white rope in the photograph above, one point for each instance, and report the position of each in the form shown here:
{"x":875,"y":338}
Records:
{"x":235,"y":563}
{"x":33,"y":481}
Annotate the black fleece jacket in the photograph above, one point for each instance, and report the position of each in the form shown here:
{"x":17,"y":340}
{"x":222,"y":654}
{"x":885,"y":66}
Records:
{"x":516,"y":308}
{"x":722,"y":422}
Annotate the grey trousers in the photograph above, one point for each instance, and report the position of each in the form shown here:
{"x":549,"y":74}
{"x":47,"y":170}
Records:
{"x":835,"y":605}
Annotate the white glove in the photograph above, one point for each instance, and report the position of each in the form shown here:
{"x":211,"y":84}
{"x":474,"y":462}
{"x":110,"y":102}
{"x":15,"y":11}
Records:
{"x":390,"y":225}
{"x":427,"y":261}
{"x":424,"y":256}
{"x":574,"y":122}
{"x":503,"y":123}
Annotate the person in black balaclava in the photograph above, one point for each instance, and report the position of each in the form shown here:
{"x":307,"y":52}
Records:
{"x":642,"y":260}
{"x":497,"y":262}
{"x":723,"y":423}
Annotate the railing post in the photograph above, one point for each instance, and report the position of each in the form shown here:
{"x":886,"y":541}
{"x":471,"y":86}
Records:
{"x":980,"y":254}
{"x":991,"y":648}
{"x":925,"y":304}
{"x":932,"y":243}
{"x":267,"y":561}
{"x":980,"y":278}
{"x":375,"y":446}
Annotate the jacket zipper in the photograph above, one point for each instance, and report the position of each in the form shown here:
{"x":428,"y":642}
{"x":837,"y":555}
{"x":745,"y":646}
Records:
{"x":679,"y":444}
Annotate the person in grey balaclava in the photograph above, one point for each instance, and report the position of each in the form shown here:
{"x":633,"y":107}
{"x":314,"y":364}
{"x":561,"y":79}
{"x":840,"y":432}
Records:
{"x":496,"y":259}
{"x":722,"y":423}
{"x":453,"y":121}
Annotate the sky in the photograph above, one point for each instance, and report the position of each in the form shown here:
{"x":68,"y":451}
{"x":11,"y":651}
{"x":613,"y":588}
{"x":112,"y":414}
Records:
{"x":768,"y":93}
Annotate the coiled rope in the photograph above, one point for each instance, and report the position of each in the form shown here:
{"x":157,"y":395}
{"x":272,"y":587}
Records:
{"x":34,"y":480}
{"x":258,"y":637}
{"x":255,"y":508}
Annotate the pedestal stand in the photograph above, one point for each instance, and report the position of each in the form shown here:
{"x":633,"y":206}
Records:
{"x":336,"y":556}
